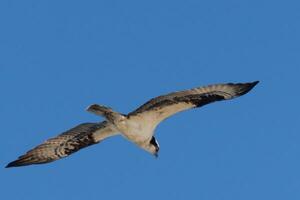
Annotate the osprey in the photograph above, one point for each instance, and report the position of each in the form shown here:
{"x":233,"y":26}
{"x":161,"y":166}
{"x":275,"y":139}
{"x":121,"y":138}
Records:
{"x":137,"y":126}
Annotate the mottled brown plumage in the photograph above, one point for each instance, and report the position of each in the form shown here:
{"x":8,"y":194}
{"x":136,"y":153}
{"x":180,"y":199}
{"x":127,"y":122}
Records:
{"x":138,"y":126}
{"x":65,"y":144}
{"x":164,"y":106}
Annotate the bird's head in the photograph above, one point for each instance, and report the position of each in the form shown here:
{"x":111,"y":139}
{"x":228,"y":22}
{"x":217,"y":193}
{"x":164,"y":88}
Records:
{"x":153,"y":147}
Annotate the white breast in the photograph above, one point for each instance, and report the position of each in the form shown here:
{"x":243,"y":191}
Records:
{"x":136,"y":129}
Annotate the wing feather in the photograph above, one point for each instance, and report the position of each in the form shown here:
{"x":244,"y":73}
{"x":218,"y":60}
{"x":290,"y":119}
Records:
{"x":66,"y":143}
{"x":162,"y":107}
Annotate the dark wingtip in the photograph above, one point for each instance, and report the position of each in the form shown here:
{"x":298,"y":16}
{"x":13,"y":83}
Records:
{"x":255,"y":83}
{"x":12,"y":164}
{"x":19,"y":163}
{"x":252,"y":85}
{"x":246,"y":87}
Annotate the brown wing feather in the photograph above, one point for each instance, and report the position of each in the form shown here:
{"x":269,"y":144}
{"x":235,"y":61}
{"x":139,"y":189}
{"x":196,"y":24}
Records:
{"x":66,"y":143}
{"x":164,"y":106}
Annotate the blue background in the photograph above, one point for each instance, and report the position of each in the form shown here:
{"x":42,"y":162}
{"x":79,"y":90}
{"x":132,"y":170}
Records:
{"x":58,"y":57}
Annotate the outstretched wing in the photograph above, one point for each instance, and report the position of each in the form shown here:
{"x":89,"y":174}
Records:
{"x":66,"y":143}
{"x":162,"y":107}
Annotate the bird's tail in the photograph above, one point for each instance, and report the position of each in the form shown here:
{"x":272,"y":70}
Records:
{"x":105,"y":111}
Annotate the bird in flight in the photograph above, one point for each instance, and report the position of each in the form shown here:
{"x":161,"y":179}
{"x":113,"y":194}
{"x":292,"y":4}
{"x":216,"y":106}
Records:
{"x":137,"y":126}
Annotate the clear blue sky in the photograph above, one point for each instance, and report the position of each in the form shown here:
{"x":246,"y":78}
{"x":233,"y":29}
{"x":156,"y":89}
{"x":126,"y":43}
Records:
{"x":58,"y":57}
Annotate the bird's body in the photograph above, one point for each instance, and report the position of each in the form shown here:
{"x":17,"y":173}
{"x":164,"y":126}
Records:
{"x":135,"y":130}
{"x":137,"y":126}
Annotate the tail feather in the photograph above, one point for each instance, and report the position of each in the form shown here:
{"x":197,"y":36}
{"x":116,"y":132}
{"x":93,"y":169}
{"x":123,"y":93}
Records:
{"x":99,"y":109}
{"x":106,"y":112}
